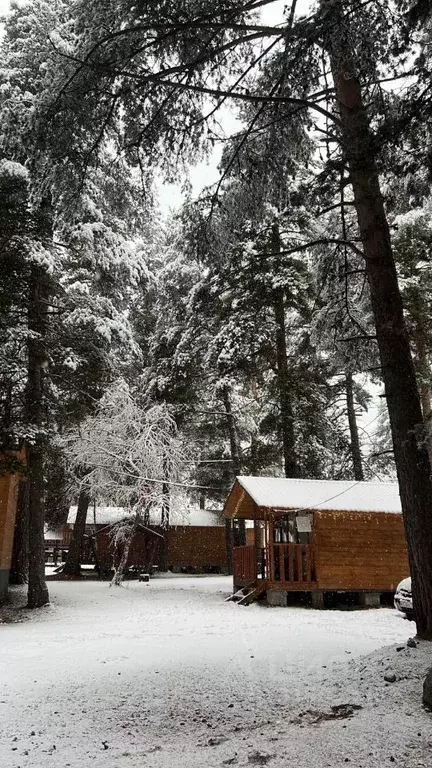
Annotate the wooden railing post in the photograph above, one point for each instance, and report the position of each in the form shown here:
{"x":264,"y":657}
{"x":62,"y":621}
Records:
{"x":271,"y":551}
{"x":282,"y":562}
{"x":292,"y":563}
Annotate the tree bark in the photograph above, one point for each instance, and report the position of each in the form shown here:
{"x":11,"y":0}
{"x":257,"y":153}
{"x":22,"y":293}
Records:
{"x":285,"y":404}
{"x":411,"y":456}
{"x":291,"y":468}
{"x":37,"y":589}
{"x":354,"y":435}
{"x":165,"y":521}
{"x":20,"y":555}
{"x":236,"y":470}
{"x":424,"y":372}
{"x":119,"y":571}
{"x":72,"y":566}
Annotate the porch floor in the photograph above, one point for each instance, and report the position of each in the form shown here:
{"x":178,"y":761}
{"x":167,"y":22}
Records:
{"x":286,"y":586}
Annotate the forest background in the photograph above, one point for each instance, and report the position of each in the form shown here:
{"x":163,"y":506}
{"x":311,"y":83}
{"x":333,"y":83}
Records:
{"x":262,"y":313}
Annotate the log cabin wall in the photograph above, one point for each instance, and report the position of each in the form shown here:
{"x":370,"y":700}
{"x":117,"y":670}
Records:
{"x":188,"y":547}
{"x":8,"y":505}
{"x":145,"y":549}
{"x":197,"y":547}
{"x":360,"y":551}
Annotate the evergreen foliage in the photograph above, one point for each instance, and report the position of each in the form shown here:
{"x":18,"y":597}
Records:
{"x":257,"y":311}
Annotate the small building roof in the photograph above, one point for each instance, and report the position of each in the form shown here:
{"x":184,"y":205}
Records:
{"x":192,"y":515}
{"x":50,"y":535}
{"x":294,"y":494}
{"x":104,"y":515}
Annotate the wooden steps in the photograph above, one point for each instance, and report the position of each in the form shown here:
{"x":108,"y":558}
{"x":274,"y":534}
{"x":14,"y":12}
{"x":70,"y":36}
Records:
{"x":236,"y":596}
{"x":247,"y":595}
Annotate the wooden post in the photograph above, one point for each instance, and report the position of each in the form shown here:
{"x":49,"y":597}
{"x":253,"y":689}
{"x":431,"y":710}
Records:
{"x":256,"y":546}
{"x":291,"y":562}
{"x":271,"y":550}
{"x":282,"y":551}
{"x":229,"y":545}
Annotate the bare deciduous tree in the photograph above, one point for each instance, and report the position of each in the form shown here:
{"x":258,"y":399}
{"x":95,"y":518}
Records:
{"x":132,"y":458}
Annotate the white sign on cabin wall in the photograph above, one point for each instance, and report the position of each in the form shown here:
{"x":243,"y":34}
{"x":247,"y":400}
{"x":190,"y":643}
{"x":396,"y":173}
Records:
{"x":304,"y":523}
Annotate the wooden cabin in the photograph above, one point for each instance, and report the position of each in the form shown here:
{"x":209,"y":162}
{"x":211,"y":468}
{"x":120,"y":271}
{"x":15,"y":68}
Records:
{"x":9,"y":483}
{"x":196,"y":540}
{"x":315,"y":536}
{"x":54,"y":550}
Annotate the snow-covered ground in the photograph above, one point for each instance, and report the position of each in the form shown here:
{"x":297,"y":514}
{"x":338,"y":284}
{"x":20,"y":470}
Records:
{"x":167,"y":674}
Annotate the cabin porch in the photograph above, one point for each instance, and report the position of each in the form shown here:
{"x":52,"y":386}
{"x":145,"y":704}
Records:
{"x":280,"y":566}
{"x":274,"y":555}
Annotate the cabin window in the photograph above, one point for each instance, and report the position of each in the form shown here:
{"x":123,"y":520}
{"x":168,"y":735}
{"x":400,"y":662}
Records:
{"x":293,"y":529}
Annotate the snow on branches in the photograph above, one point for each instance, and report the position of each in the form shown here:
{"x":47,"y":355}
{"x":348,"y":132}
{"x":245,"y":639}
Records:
{"x":125,"y":455}
{"x":131,"y":457}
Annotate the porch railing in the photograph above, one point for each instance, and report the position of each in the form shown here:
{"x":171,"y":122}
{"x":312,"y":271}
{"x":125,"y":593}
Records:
{"x":288,"y":563}
{"x":293,"y":563}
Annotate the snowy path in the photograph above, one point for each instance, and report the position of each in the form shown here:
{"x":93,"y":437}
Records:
{"x":167,"y":674}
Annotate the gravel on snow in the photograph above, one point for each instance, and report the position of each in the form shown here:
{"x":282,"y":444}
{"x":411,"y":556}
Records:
{"x":168,"y":674}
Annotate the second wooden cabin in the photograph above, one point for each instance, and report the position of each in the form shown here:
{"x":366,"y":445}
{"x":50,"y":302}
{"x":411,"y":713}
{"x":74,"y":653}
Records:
{"x":315,"y":536}
{"x":196,"y":540}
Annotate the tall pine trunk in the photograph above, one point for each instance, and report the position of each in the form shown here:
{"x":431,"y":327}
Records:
{"x":285,"y":403}
{"x":37,"y":589}
{"x":424,"y":371}
{"x":72,"y":566}
{"x":236,"y":470}
{"x":353,"y":429}
{"x":403,"y":401}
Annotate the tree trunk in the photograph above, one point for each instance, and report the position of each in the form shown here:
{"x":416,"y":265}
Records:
{"x":424,"y":372}
{"x":232,"y":433}
{"x":286,"y":411}
{"x":411,"y":456}
{"x":72,"y":566}
{"x":37,"y":594}
{"x":165,"y":521}
{"x":37,"y":588}
{"x":20,"y":555}
{"x":236,"y":470}
{"x":119,"y":571}
{"x":352,"y":421}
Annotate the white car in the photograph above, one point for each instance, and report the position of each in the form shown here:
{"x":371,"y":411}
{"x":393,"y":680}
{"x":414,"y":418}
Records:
{"x":403,"y":598}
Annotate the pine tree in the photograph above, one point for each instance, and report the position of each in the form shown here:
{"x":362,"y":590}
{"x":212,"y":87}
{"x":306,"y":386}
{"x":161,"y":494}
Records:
{"x":82,"y":262}
{"x":156,"y":63}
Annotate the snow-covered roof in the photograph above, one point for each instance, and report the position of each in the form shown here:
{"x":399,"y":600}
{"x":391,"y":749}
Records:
{"x":193,"y":515}
{"x":197,"y":516}
{"x":104,"y":515}
{"x":346,"y":495}
{"x":52,"y":535}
